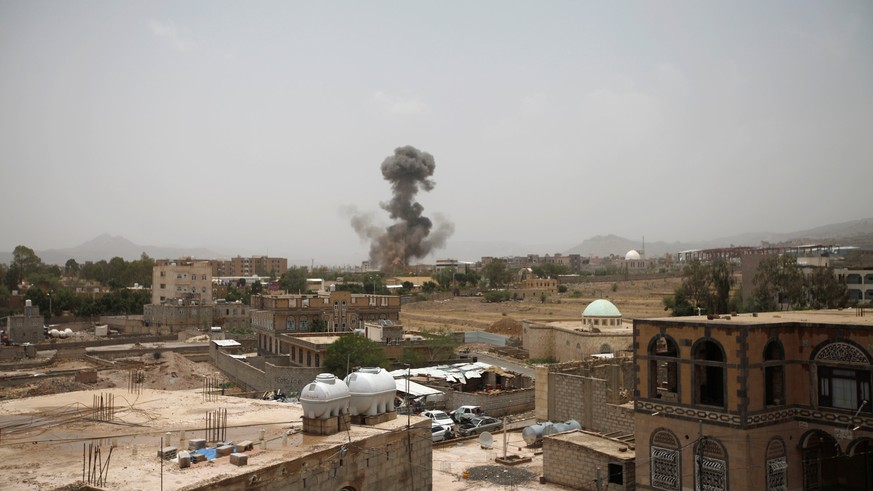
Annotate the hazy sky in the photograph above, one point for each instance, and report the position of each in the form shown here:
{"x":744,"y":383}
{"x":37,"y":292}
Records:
{"x":255,"y":127}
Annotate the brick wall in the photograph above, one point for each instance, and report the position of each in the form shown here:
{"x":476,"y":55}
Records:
{"x":393,"y":460}
{"x":271,"y":377}
{"x":575,"y":466}
{"x":585,"y":399}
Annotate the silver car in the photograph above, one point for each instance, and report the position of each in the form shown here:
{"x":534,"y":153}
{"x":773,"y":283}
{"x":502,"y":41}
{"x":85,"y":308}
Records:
{"x":481,"y":424}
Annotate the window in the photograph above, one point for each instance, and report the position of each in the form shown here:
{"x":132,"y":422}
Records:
{"x":664,"y":461}
{"x":163,"y":286}
{"x":777,"y":466}
{"x":774,"y":374}
{"x":708,"y":358}
{"x":318,"y":360}
{"x":711,"y":469}
{"x":843,"y":377}
{"x":616,"y":474}
{"x":663,"y":368}
{"x":308,"y":359}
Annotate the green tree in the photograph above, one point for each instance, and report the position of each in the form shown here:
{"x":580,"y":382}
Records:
{"x":721,"y":275}
{"x":497,"y":296}
{"x":351,"y":351}
{"x":294,"y":280}
{"x":257,"y":287}
{"x":428,"y":287}
{"x":823,"y":290}
{"x":678,"y":303}
{"x":439,"y":345}
{"x":25,"y":261}
{"x":445,"y":277}
{"x":696,"y":284}
{"x":496,"y":273}
{"x":550,"y":270}
{"x":71,"y":268}
{"x":778,"y":280}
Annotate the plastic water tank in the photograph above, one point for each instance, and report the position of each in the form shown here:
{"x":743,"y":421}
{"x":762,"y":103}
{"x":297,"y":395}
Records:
{"x":68,"y":333}
{"x":372,"y":391}
{"x":324,"y":398}
{"x":55,"y":333}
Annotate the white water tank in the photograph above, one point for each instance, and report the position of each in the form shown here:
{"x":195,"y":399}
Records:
{"x":55,"y":333}
{"x":535,"y":432}
{"x":324,"y":398}
{"x":68,"y":333}
{"x":372,"y":390}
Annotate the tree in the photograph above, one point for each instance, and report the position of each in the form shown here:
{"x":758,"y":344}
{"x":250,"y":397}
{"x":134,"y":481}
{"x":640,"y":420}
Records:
{"x":721,"y":275}
{"x":444,"y":277}
{"x":26,"y":261}
{"x":351,"y":351}
{"x":71,"y":268}
{"x":439,"y":345}
{"x":823,"y":290}
{"x":428,"y":287}
{"x":696,"y":283}
{"x":550,"y":270}
{"x":257,"y":287}
{"x":294,"y":280}
{"x":778,"y":280}
{"x":496,"y":273}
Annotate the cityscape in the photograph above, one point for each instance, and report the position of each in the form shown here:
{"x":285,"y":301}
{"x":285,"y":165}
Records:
{"x":388,"y":246}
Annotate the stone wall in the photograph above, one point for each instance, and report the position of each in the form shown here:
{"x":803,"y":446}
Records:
{"x":576,"y":466}
{"x":496,"y":404}
{"x":392,"y":460}
{"x":271,"y":377}
{"x":585,"y":399}
{"x":544,"y":341}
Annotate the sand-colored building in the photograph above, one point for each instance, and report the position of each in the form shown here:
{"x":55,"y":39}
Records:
{"x":771,"y":401}
{"x":185,"y":281}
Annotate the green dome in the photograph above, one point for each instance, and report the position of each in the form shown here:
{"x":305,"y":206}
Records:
{"x":601,"y":308}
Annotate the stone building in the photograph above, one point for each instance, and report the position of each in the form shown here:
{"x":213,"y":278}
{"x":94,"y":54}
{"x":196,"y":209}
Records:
{"x":27,"y":327}
{"x":535,"y":287}
{"x":770,"y":401}
{"x":177,"y":318}
{"x":248,"y":266}
{"x":273,"y":316}
{"x":584,"y":460}
{"x":182,"y":281}
{"x":600,"y":331}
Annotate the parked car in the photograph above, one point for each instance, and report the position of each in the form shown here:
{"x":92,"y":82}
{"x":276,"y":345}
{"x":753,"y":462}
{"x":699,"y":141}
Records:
{"x":466,"y":413}
{"x":480,"y":424}
{"x":439,"y":417}
{"x":439,"y":433}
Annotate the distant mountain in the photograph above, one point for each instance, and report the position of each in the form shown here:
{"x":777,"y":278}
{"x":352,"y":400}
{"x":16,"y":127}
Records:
{"x":107,"y":246}
{"x":854,"y":233}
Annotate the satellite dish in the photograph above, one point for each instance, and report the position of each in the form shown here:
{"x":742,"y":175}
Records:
{"x":485,"y":440}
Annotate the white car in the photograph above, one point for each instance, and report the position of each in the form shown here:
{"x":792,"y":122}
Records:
{"x":439,"y":418}
{"x":439,"y":433}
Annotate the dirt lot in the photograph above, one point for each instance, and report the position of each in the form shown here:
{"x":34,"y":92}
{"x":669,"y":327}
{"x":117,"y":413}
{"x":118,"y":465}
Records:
{"x":635,"y":299}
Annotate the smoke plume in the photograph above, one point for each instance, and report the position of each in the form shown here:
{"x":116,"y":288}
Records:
{"x":412,"y":235}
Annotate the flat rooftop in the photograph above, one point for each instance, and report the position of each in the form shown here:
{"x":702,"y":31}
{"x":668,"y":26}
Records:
{"x":840,"y":317}
{"x":578,"y":326}
{"x":607,"y":446}
{"x":54,"y":430}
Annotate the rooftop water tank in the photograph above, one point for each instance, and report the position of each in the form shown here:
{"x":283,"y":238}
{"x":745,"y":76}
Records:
{"x":372,"y":391}
{"x":67,"y":333}
{"x":534,"y":433}
{"x":324,"y":398}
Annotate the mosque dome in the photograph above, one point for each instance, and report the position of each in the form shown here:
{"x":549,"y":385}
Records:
{"x":632,"y":255}
{"x":601,"y":308}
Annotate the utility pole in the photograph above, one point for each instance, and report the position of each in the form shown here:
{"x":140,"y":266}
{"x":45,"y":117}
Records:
{"x":598,"y":479}
{"x":701,"y":440}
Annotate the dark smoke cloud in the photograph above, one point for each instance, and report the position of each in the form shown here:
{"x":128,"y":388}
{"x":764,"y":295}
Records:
{"x":411,"y":234}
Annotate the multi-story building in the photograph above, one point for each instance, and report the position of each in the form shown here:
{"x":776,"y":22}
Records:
{"x":771,"y":401}
{"x":273,"y":316}
{"x":185,"y":280}
{"x":250,"y":266}
{"x":859,"y":283}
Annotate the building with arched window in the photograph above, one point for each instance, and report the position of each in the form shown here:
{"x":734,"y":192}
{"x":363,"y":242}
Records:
{"x":772,"y":401}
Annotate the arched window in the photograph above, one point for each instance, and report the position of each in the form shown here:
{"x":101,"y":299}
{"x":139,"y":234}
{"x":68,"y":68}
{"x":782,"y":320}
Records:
{"x":664,"y":462}
{"x":774,"y":373}
{"x":708,"y":357}
{"x":712,"y":465}
{"x":605,"y":348}
{"x":843,"y":376}
{"x":663,"y":368}
{"x":777,"y":466}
